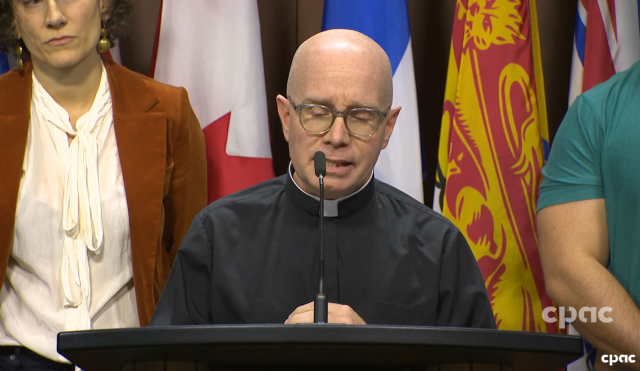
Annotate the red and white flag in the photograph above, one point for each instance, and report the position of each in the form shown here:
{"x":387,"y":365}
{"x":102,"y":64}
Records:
{"x":213,"y":49}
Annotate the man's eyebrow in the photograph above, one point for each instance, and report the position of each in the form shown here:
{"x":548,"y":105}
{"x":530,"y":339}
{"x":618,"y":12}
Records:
{"x":330,"y":104}
{"x":323,"y":102}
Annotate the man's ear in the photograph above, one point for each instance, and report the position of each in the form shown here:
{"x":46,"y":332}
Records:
{"x":285,"y":116}
{"x":391,"y":123}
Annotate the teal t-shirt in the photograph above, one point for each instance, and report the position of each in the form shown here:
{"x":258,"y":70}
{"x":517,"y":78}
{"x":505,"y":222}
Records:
{"x":596,"y":154}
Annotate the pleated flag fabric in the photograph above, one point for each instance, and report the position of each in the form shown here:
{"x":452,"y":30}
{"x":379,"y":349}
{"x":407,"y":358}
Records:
{"x":493,"y":143}
{"x":387,"y":22}
{"x":213,"y":49}
{"x":606,"y":41}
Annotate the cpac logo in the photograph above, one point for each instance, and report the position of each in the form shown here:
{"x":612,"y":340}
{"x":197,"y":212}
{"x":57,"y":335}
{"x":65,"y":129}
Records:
{"x":614,"y":358}
{"x":573,"y":314}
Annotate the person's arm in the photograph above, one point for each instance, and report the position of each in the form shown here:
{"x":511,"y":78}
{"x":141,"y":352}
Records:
{"x":574,"y":250}
{"x":187,"y":193}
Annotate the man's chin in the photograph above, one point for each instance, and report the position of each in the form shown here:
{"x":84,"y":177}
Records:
{"x":334,"y":190}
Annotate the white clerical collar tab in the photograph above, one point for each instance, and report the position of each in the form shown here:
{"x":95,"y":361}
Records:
{"x":330,"y":206}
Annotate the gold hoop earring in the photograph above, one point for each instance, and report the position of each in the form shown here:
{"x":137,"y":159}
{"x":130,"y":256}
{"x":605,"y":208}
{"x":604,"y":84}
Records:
{"x":104,"y":44}
{"x":19,"y":58}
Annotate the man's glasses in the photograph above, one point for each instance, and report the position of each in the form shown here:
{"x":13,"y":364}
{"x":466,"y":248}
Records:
{"x":318,"y":119}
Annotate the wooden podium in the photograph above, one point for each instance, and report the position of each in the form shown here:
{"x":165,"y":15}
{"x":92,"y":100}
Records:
{"x":252,"y":347}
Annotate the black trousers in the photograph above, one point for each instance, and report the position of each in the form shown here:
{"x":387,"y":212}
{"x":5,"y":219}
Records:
{"x":21,"y":358}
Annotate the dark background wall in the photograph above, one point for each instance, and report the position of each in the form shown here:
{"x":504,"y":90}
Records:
{"x":285,"y":24}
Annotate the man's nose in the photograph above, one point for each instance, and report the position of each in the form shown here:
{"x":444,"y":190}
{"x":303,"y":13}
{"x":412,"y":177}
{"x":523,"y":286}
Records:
{"x":338,"y":135}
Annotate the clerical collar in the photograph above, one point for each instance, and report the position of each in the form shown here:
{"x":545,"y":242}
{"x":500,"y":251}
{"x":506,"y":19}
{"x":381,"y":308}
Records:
{"x":332,"y":208}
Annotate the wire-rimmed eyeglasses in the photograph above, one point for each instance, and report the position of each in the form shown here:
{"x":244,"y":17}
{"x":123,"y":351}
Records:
{"x":318,"y":119}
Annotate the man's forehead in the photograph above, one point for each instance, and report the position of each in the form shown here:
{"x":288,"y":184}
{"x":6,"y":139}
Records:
{"x":335,"y":102}
{"x":335,"y":52}
{"x":341,"y":39}
{"x":340,"y":55}
{"x":341,"y":68}
{"x":349,"y":85}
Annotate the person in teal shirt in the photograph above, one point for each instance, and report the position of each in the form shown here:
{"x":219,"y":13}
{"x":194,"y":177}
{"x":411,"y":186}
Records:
{"x":589,"y":213}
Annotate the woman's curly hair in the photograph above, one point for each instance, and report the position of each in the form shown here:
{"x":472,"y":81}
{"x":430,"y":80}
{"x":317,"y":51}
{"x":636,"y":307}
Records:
{"x":118,"y":24}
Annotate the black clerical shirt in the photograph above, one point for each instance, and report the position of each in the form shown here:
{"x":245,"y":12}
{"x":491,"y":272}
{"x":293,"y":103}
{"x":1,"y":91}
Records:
{"x":252,"y":257}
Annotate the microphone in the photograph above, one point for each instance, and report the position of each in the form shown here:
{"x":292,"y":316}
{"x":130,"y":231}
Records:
{"x":321,"y":305}
{"x":321,"y":167}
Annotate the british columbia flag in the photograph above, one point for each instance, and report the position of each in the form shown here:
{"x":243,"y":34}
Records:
{"x":606,"y":41}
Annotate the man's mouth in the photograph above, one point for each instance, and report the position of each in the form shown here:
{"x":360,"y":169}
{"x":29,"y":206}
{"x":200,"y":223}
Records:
{"x":337,"y":163}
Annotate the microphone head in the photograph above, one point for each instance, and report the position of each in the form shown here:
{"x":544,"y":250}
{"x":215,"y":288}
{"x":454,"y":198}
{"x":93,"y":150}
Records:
{"x":321,"y":166}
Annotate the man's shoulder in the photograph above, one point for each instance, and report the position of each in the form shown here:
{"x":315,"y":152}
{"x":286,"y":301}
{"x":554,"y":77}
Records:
{"x":423,"y":212}
{"x":625,"y":85}
{"x":247,"y":197}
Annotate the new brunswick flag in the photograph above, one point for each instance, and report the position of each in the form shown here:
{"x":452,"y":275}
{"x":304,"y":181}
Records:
{"x":493,"y":143}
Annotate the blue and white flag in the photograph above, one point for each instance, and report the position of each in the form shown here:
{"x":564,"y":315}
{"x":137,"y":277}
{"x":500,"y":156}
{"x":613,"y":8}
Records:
{"x":387,"y":22}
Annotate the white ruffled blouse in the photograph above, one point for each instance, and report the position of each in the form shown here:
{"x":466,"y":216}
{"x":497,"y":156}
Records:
{"x":70,"y":261}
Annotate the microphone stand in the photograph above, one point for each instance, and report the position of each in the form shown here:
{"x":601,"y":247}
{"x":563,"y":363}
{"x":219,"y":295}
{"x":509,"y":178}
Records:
{"x":321,"y":305}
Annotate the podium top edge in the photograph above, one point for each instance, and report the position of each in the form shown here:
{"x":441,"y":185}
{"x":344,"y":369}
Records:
{"x":320,"y":334}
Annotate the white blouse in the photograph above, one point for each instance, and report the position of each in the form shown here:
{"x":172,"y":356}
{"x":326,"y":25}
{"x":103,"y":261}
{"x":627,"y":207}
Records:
{"x":70,"y":261}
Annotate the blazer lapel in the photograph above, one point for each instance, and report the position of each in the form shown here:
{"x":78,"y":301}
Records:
{"x":141,"y":136}
{"x":15,"y":107}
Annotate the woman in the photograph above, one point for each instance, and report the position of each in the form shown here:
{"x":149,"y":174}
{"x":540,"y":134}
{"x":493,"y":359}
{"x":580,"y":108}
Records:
{"x":102,"y":172}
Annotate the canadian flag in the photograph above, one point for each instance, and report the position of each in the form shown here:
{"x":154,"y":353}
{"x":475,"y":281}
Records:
{"x":213,"y":49}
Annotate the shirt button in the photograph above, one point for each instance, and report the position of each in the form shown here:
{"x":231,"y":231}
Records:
{"x":12,"y":357}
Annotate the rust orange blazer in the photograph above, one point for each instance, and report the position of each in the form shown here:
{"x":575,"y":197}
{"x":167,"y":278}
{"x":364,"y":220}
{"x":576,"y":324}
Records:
{"x":163,"y":164}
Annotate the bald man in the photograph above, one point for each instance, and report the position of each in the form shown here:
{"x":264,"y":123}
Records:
{"x":252,"y":257}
